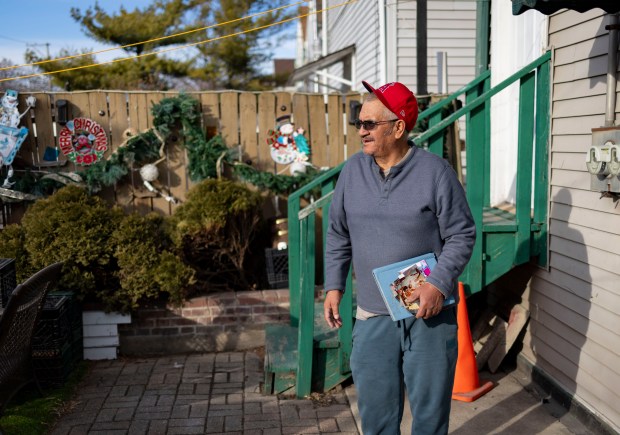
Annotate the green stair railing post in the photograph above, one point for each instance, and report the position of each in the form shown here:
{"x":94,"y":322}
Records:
{"x":487,"y":144}
{"x":305,"y":333}
{"x":475,"y":181}
{"x":294,"y":254}
{"x":345,"y":333}
{"x":541,"y":159}
{"x":523,"y":201}
{"x":435,"y":142}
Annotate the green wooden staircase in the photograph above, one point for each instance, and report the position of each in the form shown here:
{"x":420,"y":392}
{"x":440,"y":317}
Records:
{"x":305,"y":355}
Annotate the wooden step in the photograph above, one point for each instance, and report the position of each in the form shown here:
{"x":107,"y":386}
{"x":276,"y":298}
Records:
{"x":281,"y":357}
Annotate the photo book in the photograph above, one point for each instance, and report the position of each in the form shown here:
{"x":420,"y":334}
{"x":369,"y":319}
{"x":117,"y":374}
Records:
{"x":397,"y":281}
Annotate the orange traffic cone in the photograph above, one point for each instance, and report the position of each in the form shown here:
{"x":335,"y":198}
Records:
{"x":467,"y":386}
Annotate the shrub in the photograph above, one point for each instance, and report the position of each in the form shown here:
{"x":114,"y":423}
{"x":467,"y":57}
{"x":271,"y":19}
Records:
{"x":111,"y":258}
{"x":73,"y":227}
{"x":216,"y":229}
{"x":147,"y":267}
{"x":12,"y":246}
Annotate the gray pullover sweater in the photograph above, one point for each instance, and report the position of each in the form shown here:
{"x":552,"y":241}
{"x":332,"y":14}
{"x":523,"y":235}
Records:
{"x":420,"y":207}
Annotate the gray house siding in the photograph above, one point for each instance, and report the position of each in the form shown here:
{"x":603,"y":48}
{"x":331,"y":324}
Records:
{"x":574,"y":334}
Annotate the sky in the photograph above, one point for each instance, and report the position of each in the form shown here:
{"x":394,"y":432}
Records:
{"x":35,"y":23}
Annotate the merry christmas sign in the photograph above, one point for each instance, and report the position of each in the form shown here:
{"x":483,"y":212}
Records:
{"x":83,"y":141}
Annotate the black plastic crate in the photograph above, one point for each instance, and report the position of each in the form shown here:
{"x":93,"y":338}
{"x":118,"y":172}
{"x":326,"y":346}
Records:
{"x":276,"y":261}
{"x":52,"y":370}
{"x":8,"y":280}
{"x":53,"y":329}
{"x":74,"y":308}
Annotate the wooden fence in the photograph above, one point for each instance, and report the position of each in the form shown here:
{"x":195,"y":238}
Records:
{"x":242,"y":118}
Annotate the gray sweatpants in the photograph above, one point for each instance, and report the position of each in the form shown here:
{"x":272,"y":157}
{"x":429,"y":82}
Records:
{"x":414,"y":353}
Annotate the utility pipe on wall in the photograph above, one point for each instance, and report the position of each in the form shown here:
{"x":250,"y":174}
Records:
{"x":382,"y":42}
{"x":612,"y":68}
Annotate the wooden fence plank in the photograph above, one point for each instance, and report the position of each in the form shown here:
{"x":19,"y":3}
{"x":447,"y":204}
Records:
{"x":44,"y":127}
{"x":152,"y":98}
{"x":28,"y":149}
{"x":138,"y":121}
{"x":353,"y":143}
{"x":266,"y":122}
{"x":335,"y":130}
{"x":119,"y":123}
{"x":319,"y":144}
{"x":229,"y":118}
{"x":58,"y":127}
{"x":159,"y":203}
{"x":248,"y":137}
{"x":210,"y":113}
{"x":99,"y":112}
{"x":283,"y":104}
{"x":300,"y":115}
{"x":138,"y":112}
{"x":284,"y":107}
{"x":119,"y":118}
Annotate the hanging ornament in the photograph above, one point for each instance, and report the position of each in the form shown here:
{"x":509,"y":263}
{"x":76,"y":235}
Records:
{"x":11,"y":137}
{"x":287,"y":145}
{"x":83,"y":141}
{"x":149,"y":174}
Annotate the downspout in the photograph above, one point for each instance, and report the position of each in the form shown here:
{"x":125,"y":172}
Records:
{"x":483,"y":15}
{"x":324,"y":79}
{"x":612,"y":68}
{"x":421,"y":48}
{"x":382,"y":47}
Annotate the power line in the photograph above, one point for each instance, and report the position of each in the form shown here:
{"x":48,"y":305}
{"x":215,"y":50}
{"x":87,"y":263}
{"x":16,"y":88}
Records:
{"x":13,"y":39}
{"x":180,"y":47}
{"x":150,"y":40}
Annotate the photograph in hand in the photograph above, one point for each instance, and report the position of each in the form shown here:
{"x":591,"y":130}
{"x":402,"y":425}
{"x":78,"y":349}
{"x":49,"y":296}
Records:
{"x":408,"y":280}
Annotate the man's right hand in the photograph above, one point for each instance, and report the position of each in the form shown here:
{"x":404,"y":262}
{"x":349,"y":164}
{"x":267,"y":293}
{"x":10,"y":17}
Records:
{"x":330,"y":308}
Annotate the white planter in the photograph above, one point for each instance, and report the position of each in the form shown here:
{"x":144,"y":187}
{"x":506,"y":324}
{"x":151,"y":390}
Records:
{"x":101,"y":334}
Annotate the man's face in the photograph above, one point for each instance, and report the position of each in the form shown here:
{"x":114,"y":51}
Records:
{"x":379,"y":141}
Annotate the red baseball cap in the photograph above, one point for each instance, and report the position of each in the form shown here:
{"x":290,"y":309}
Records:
{"x":399,"y":99}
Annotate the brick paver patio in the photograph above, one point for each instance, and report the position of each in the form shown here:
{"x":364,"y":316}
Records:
{"x":213,"y":393}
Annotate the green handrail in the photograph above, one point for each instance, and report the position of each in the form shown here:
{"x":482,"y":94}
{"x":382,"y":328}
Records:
{"x":481,"y":99}
{"x":436,"y":108}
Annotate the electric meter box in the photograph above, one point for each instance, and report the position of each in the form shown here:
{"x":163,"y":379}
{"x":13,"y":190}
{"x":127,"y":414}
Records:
{"x":603,"y":160}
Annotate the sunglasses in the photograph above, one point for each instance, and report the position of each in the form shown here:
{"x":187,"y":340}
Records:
{"x":371,"y":125}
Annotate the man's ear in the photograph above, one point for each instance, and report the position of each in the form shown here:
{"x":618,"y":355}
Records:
{"x":400,"y":128}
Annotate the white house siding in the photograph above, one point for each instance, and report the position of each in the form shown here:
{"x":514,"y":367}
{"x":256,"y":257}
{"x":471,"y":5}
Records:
{"x":451,"y":27}
{"x":574,"y":334}
{"x":355,"y":24}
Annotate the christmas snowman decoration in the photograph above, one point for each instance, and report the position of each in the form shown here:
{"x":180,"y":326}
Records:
{"x":288,"y":146}
{"x":11,"y":137}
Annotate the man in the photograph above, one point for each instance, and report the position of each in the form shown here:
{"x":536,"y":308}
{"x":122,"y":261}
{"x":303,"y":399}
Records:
{"x":392,"y":202}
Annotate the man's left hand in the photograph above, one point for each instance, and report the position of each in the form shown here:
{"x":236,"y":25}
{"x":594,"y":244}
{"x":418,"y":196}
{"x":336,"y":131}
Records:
{"x":430,"y":300}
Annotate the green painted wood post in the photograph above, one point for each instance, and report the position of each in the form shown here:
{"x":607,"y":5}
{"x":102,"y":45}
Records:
{"x":525,"y":153}
{"x":475,"y":182}
{"x":541,"y":170}
{"x":435,"y":142}
{"x":305,"y":332}
{"x":294,"y":258}
{"x":487,"y":145}
{"x":345,"y":333}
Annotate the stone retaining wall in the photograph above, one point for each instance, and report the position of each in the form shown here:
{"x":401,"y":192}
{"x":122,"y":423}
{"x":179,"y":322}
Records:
{"x":219,"y":322}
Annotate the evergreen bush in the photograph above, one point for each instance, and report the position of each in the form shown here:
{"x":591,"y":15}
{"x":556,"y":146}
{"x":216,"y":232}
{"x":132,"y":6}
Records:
{"x":220,"y":232}
{"x":117,"y":260}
